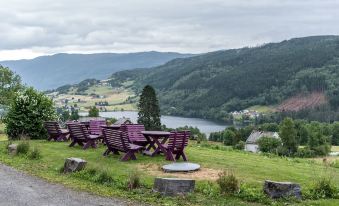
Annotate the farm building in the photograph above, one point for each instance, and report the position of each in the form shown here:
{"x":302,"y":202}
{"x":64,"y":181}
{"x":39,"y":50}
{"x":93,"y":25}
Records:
{"x":123,"y":121}
{"x":251,"y":142}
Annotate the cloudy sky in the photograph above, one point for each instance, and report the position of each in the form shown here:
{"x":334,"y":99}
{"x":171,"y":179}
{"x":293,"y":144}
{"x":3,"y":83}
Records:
{"x":29,"y":28}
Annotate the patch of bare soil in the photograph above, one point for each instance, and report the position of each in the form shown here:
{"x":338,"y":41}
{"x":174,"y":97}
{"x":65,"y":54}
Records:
{"x":300,"y":102}
{"x":202,"y":174}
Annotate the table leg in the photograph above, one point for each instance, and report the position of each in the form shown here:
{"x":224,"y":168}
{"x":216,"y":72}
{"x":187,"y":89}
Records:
{"x":160,"y":147}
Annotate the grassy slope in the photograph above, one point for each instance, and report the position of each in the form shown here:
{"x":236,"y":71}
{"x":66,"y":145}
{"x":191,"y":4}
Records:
{"x":250,"y":168}
{"x":114,"y":96}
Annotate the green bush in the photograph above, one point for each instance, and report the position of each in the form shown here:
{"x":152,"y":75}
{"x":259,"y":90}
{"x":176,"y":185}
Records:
{"x":133,"y":181}
{"x":252,"y":194}
{"x":324,"y":188}
{"x":268,"y":144}
{"x":305,"y":152}
{"x":93,"y":112}
{"x":228,"y":183}
{"x":35,"y":154}
{"x":23,"y":148}
{"x":240,"y":145}
{"x":104,"y":178}
{"x":27,"y":114}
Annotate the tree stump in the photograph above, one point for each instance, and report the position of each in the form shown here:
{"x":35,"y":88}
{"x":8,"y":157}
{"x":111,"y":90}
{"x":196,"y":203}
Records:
{"x":13,"y":149}
{"x":282,"y":189}
{"x":74,"y":164}
{"x":173,"y":186}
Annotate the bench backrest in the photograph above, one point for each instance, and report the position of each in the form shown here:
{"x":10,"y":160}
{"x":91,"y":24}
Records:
{"x":52,"y":127}
{"x":95,"y":126}
{"x":116,"y":139}
{"x":78,"y":131}
{"x":133,"y":132}
{"x":178,"y":140}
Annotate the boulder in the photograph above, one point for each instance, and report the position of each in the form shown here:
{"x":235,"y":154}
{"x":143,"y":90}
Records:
{"x":173,"y":186}
{"x":74,"y":164}
{"x":13,"y":149}
{"x":282,"y":189}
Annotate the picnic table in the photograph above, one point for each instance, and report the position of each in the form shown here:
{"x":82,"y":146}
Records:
{"x":156,"y":140}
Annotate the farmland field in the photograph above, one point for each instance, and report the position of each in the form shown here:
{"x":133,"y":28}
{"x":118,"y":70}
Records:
{"x":116,"y":98}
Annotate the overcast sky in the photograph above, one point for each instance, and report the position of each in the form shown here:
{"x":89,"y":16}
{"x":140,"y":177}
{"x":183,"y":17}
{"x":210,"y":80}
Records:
{"x":29,"y":28}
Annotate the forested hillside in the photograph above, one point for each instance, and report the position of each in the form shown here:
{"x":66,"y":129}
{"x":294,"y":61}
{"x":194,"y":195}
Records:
{"x":50,"y":72}
{"x":213,"y":84}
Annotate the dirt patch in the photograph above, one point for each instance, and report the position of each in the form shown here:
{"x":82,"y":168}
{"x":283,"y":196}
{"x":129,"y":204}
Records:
{"x":300,"y":102}
{"x":202,"y":174}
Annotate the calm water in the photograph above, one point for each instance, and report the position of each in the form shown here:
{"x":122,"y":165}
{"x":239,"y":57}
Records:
{"x":205,"y":126}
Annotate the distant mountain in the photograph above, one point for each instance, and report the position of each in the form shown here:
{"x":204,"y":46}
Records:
{"x":213,"y":84}
{"x":49,"y":72}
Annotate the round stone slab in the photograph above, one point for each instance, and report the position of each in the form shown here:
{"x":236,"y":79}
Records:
{"x":181,"y":167}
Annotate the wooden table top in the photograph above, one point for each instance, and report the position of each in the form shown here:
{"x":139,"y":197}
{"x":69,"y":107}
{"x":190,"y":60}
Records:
{"x":155,"y":133}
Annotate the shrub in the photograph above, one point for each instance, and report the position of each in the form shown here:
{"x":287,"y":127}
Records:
{"x":34,"y":154}
{"x":240,"y":145}
{"x":208,"y":188}
{"x":23,"y":148}
{"x":228,"y":183}
{"x":93,"y":112}
{"x":282,"y":151}
{"x":133,"y":181}
{"x":305,"y":152}
{"x":27,"y":114}
{"x":268,"y":144}
{"x":252,"y":194}
{"x":323,"y":188}
{"x":104,"y":178}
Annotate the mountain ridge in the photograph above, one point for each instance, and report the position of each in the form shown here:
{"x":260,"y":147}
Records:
{"x":64,"y":68}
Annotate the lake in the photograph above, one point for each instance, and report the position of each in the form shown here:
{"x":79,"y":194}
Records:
{"x":205,"y":126}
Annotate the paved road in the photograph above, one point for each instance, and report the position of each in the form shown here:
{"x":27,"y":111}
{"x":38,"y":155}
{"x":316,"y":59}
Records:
{"x":19,"y":189}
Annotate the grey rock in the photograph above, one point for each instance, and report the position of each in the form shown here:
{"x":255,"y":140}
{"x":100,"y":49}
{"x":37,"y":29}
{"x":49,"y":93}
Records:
{"x":282,"y":189}
{"x":74,"y":165}
{"x":13,"y":149}
{"x":173,"y":186}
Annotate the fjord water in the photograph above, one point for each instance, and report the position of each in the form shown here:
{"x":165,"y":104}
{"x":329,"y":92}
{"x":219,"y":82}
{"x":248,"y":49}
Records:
{"x":204,"y":126}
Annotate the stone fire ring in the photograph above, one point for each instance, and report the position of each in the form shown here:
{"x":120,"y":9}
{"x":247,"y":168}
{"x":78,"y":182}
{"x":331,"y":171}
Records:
{"x":181,"y":167}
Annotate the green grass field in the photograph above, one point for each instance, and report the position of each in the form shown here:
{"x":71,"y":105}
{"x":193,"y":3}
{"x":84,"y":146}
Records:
{"x":115,"y":97}
{"x":262,"y":109}
{"x":251,"y":169}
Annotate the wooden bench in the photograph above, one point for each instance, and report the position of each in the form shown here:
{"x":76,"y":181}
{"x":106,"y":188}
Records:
{"x":117,"y":141}
{"x":55,"y":132}
{"x":134,"y":134}
{"x":81,"y":136}
{"x":177,"y":142}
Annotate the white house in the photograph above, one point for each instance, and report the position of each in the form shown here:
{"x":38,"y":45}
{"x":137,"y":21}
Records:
{"x":251,"y":142}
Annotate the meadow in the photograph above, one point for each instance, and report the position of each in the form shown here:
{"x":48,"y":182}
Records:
{"x":251,"y":169}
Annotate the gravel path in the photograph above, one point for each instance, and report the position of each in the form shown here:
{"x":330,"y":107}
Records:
{"x":18,"y":189}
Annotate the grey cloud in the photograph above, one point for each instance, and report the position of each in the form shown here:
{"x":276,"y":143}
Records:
{"x":47,"y":26}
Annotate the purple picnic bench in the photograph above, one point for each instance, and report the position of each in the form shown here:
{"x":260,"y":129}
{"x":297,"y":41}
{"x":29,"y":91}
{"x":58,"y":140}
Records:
{"x":80,"y":135}
{"x":117,"y":141}
{"x":55,"y":132}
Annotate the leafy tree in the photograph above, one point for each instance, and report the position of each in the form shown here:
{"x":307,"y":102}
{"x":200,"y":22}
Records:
{"x":10,"y":83}
{"x":268,"y":144}
{"x":288,"y":135}
{"x":93,"y":112}
{"x":149,"y":111}
{"x":74,"y":115}
{"x":335,"y":136}
{"x":27,"y":113}
{"x":228,"y":137}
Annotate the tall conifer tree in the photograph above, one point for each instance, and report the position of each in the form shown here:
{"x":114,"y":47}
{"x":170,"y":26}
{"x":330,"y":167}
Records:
{"x":149,"y":111}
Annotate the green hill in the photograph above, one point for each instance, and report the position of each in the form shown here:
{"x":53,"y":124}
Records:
{"x":50,"y":72}
{"x":213,"y":84}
